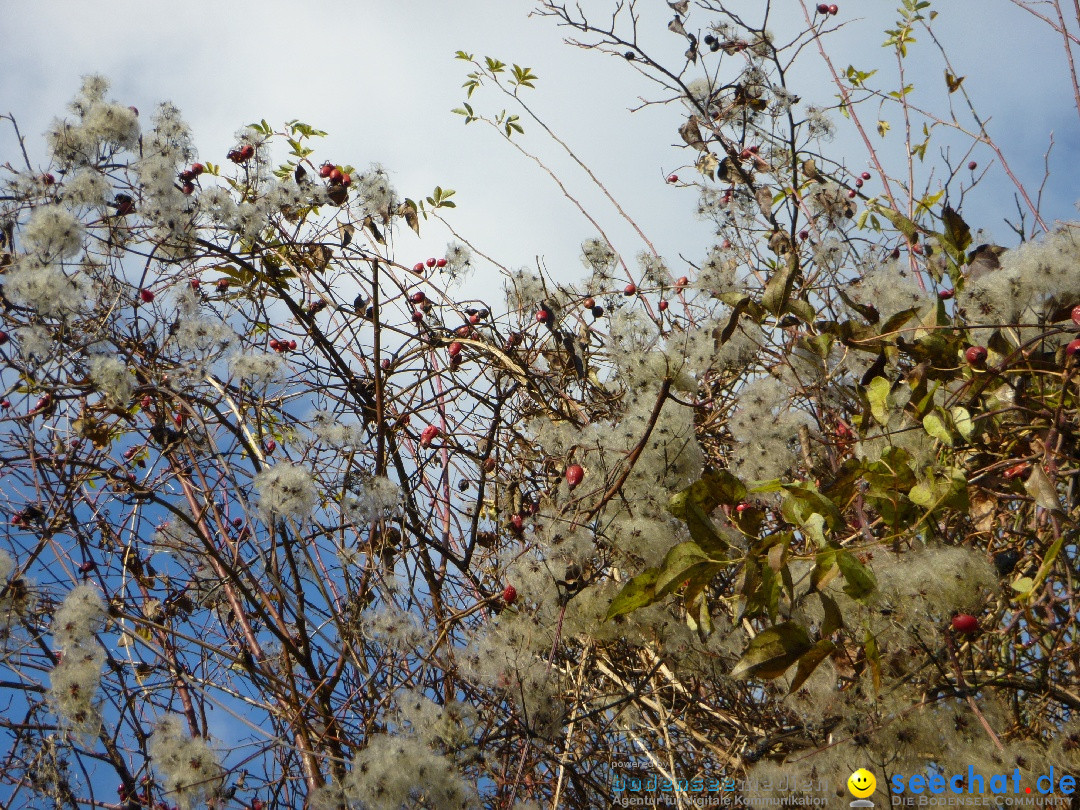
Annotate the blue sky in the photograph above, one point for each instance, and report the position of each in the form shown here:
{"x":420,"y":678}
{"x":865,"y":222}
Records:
{"x":380,"y":77}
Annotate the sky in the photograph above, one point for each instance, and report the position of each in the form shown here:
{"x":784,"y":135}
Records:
{"x":381,"y":78}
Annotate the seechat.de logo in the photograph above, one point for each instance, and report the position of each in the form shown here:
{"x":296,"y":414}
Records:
{"x":862,"y":785}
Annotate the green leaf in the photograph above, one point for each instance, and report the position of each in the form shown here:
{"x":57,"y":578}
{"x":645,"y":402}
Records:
{"x":678,"y":565}
{"x":965,"y":425}
{"x":639,"y":592}
{"x":859,"y":580}
{"x":778,"y":287}
{"x":1039,"y":487}
{"x":1023,"y":586}
{"x":1048,"y":563}
{"x":704,"y":531}
{"x":858,"y":77}
{"x":523,"y":77}
{"x":922,"y":494}
{"x":936,"y":427}
{"x":825,"y":570}
{"x":801,"y":502}
{"x":772,"y":651}
{"x":814,"y":527}
{"x":834,"y":620}
{"x":957,"y":236}
{"x":878,"y":392}
{"x":714,"y":488}
{"x":809,"y":661}
{"x":900,"y":222}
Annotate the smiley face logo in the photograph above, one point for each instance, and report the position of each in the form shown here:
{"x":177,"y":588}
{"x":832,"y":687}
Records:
{"x":861,"y":783}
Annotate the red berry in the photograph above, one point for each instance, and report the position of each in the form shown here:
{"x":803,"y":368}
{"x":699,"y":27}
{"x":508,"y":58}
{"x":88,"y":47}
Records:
{"x":1075,"y":314}
{"x":187,"y":188}
{"x":976,"y":355}
{"x":186,"y":176}
{"x":973,"y":166}
{"x":590,"y":302}
{"x":463,"y":331}
{"x":1016,"y":470}
{"x":3,"y":337}
{"x":346,"y":179}
{"x":630,"y":289}
{"x":325,"y":169}
{"x":945,"y":295}
{"x":917,"y":249}
{"x":430,"y":262}
{"x":823,"y":8}
{"x":804,"y":235}
{"x":146,"y":295}
{"x":755,"y":149}
{"x":851,"y":194}
{"x":1073,"y":348}
{"x":542,"y":315}
{"x":223,"y":284}
{"x":682,"y":282}
{"x":428,"y":435}
{"x":292,"y":345}
{"x":517,"y":522}
{"x":87,"y":567}
{"x":146,"y":402}
{"x":574,"y":474}
{"x":474,"y":318}
{"x":335,"y":175}
{"x":418,"y":267}
{"x":197,"y":169}
{"x":673,"y":178}
{"x":742,"y":507}
{"x":509,"y":594}
{"x":745,"y":154}
{"x":5,"y":403}
{"x":663,"y":306}
{"x":965,"y":623}
{"x":866,"y":175}
{"x":417,"y":297}
{"x":440,"y":262}
{"x":275,"y":344}
{"x":247,"y":151}
{"x":417,"y":316}
{"x":834,"y":9}
{"x":270,"y":445}
{"x":48,"y":179}
{"x":858,"y":182}
{"x":195,"y":283}
{"x":179,"y":420}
